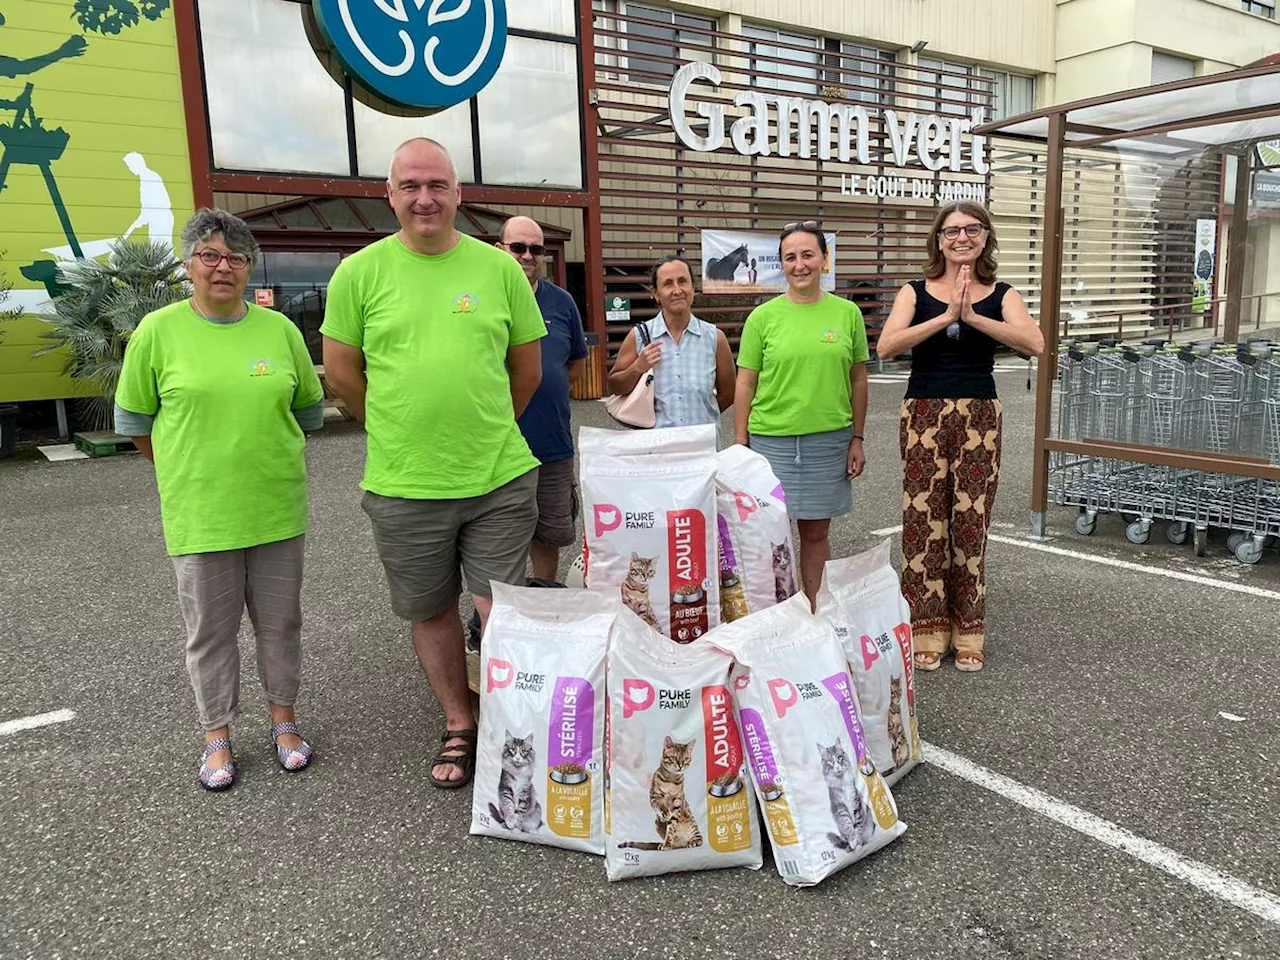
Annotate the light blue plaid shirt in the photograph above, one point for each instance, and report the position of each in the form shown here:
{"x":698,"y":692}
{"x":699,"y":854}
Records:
{"x":684,"y":381}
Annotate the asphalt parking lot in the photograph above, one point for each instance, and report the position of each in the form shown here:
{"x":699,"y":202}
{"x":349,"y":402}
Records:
{"x":1104,"y":690}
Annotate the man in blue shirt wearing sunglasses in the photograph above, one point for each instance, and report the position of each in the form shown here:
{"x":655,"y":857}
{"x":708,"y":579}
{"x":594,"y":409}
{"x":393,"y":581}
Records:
{"x":545,"y":422}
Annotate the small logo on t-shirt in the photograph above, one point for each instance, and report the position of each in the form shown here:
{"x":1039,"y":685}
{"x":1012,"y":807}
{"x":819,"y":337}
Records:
{"x":466,"y":303}
{"x":262,"y":368}
{"x":829,"y":336}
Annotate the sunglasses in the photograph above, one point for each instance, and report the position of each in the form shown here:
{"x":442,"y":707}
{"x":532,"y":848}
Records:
{"x":801,"y":225}
{"x":970,"y":230}
{"x":211,"y":258}
{"x":520,"y":249}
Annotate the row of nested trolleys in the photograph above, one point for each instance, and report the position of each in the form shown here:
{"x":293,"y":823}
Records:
{"x":1208,"y":397}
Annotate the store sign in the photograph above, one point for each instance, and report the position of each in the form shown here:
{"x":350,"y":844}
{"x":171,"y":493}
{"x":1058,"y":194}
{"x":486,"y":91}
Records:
{"x":746,"y":261}
{"x":425,"y":54}
{"x":617,"y":310}
{"x":1206,"y":248}
{"x":778,"y":124}
{"x":1266,"y":189}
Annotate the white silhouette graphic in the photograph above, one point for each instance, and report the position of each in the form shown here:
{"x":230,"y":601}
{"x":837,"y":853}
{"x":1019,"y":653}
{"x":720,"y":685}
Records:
{"x":155,"y":213}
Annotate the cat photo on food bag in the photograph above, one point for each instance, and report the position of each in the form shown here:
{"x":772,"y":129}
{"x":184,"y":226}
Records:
{"x":649,"y":530}
{"x":825,"y":803}
{"x":672,"y":819}
{"x":757,"y":555}
{"x":676,"y":795}
{"x":518,"y":807}
{"x":539,"y":753}
{"x":862,"y":598}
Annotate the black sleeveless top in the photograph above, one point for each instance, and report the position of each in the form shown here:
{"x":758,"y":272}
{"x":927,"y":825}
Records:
{"x":946,"y":368}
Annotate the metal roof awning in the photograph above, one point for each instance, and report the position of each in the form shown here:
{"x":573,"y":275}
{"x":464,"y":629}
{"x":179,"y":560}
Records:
{"x":1186,"y":116}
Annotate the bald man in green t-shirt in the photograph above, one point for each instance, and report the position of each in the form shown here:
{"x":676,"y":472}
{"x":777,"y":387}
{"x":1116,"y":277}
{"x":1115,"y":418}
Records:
{"x":431,"y":338}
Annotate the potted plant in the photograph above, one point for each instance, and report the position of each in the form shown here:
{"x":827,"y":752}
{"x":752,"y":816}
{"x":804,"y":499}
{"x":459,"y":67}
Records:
{"x":102,"y":304}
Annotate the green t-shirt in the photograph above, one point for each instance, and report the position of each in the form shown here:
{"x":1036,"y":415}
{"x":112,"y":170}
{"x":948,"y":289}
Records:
{"x":435,"y":331}
{"x":228,"y":451}
{"x":803,"y":353}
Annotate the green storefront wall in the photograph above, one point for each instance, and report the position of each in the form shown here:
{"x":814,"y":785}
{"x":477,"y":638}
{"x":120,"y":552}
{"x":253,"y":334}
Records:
{"x":94,"y":145}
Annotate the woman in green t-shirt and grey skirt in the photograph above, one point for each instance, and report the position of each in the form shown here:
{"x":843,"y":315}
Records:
{"x":217,"y":393}
{"x":801,"y":397}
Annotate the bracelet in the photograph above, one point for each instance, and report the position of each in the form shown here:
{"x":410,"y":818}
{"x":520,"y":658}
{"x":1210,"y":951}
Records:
{"x":858,"y":436}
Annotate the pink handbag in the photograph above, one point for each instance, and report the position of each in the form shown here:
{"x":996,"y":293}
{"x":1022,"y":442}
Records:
{"x":635,"y":409}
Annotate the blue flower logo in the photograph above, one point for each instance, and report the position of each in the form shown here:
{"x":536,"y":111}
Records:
{"x":429,"y":54}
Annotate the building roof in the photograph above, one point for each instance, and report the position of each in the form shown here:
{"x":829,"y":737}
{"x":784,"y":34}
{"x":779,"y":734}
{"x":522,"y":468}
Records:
{"x":1184,"y":116}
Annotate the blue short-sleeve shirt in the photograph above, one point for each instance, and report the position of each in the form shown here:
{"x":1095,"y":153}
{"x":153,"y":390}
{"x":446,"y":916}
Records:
{"x":545,"y":422}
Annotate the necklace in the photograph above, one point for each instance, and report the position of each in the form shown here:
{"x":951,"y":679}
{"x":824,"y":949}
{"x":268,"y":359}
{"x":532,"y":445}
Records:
{"x":244,"y":312}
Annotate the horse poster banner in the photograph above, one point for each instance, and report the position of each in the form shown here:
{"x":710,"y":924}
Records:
{"x":741,"y":261}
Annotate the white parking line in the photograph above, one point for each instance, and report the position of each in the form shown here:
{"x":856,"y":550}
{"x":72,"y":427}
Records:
{"x":39,"y":720}
{"x":1139,"y":567}
{"x":1199,"y":875}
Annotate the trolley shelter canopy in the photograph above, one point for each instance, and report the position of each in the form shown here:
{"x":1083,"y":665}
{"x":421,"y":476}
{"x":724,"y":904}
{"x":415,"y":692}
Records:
{"x":1118,"y":173}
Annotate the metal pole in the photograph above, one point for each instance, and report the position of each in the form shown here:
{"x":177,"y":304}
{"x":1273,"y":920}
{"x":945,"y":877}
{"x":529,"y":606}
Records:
{"x":1237,"y":247}
{"x":592,"y":217}
{"x":1050,"y":307}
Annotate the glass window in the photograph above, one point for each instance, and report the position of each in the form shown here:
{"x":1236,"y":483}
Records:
{"x":529,"y":126}
{"x":800,"y":72}
{"x":647,"y":41}
{"x":869,"y":79}
{"x":1263,"y":8}
{"x":378,"y":135}
{"x":544,"y":16}
{"x":944,"y":87}
{"x":1014,"y":94}
{"x":272,"y":106}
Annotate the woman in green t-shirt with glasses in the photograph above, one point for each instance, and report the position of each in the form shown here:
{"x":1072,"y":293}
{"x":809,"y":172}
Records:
{"x":801,"y":397}
{"x":216,"y":392}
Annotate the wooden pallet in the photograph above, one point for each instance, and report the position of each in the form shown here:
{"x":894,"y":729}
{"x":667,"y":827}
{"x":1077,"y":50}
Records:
{"x":102,"y":443}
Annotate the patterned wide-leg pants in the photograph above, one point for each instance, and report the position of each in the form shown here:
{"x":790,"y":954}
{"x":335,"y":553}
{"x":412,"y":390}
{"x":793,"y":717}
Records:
{"x":951,"y":465}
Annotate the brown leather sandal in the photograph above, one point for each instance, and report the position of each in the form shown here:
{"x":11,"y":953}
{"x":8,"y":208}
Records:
{"x":462,"y":756}
{"x":969,"y":661}
{"x":927,"y":660}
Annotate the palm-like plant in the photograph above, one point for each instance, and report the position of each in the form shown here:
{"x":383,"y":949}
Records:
{"x":101,"y":307}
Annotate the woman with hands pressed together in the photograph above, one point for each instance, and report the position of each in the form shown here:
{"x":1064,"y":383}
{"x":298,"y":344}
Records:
{"x":801,"y":398}
{"x":952,"y":321}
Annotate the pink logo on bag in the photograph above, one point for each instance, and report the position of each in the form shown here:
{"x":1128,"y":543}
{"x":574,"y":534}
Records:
{"x":637,"y":695}
{"x":741,"y":682}
{"x":500,"y":675}
{"x":783,"y":703}
{"x":746,"y":505}
{"x":608,"y":517}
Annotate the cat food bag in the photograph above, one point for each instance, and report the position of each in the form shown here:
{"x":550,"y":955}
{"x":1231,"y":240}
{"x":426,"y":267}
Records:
{"x":649,"y":521}
{"x":757,"y":556}
{"x":825,"y":804}
{"x":862,"y":598}
{"x":539,"y":769}
{"x":676,"y":790}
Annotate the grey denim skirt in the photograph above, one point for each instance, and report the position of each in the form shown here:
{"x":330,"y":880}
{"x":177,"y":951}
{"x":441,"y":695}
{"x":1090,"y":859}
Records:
{"x":813,"y":470}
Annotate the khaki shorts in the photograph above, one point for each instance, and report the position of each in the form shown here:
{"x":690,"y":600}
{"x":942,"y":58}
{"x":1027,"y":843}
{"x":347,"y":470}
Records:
{"x":422,"y":543}
{"x":557,"y":504}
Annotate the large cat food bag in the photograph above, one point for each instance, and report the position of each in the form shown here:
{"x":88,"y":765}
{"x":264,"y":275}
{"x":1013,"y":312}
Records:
{"x":649,"y":523}
{"x":862,"y":598}
{"x":539,"y":769}
{"x":676,"y":794}
{"x":757,"y":556}
{"x":825,"y":804}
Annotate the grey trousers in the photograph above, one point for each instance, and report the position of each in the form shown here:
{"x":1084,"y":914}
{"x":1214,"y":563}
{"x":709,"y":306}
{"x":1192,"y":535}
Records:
{"x":214,"y":589}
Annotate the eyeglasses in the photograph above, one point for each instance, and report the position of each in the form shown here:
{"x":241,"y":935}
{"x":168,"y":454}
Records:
{"x":520,"y":249}
{"x":211,"y":258}
{"x":801,"y":225}
{"x":970,"y":230}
